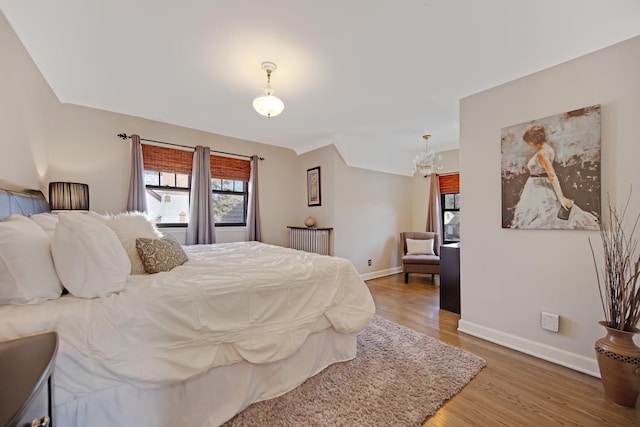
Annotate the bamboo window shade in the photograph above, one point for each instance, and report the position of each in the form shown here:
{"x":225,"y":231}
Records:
{"x":230,"y":168}
{"x":171,"y":160}
{"x":449,"y":184}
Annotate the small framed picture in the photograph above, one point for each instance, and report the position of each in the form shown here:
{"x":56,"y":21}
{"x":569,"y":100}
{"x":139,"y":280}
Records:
{"x":313,"y":186}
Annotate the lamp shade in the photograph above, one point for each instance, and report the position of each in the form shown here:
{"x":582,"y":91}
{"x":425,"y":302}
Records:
{"x":68,"y":196}
{"x":268,"y":105}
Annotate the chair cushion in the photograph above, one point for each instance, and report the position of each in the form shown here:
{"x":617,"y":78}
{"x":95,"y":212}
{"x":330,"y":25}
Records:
{"x":421,"y":259}
{"x":420,"y":247}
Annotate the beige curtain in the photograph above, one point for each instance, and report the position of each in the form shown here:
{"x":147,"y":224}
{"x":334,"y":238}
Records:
{"x":434,"y":213}
{"x":201,"y":229}
{"x":253,"y":211}
{"x":137,"y":199}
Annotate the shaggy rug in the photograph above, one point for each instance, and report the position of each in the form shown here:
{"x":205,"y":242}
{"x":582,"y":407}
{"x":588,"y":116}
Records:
{"x":398,"y":378}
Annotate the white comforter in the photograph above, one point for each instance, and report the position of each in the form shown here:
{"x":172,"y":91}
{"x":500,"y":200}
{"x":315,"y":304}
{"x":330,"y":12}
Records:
{"x":229,"y":302}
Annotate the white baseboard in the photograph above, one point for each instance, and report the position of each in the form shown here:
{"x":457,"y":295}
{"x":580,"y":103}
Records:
{"x":560,"y":357}
{"x":381,"y":273}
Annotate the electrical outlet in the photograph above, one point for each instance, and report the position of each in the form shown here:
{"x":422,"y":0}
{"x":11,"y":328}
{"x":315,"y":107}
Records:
{"x":369,"y":263}
{"x":549,"y":321}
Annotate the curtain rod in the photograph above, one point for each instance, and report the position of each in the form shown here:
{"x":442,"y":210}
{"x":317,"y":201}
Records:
{"x":124,"y":136}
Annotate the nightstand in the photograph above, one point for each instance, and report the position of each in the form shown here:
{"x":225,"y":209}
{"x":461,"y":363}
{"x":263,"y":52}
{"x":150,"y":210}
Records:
{"x":26,"y":365}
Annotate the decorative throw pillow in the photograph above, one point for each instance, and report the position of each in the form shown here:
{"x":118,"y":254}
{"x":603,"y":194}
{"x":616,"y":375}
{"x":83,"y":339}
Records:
{"x":420,"y":247}
{"x":27,"y":273}
{"x":128,"y":226}
{"x":160,"y":254}
{"x":88,"y":256}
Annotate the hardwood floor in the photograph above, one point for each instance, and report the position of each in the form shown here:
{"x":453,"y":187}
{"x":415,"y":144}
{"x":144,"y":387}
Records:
{"x":514,"y":389}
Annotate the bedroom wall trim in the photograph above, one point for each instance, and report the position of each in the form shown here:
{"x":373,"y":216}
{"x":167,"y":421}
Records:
{"x":381,"y":273}
{"x":554,"y":355}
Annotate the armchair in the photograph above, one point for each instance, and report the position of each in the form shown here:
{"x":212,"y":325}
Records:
{"x":420,"y":262}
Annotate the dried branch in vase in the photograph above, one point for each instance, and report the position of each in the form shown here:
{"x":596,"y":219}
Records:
{"x":618,"y":276}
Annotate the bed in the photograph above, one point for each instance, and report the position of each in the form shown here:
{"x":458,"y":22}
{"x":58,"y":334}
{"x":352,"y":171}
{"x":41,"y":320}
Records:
{"x":235,"y":324}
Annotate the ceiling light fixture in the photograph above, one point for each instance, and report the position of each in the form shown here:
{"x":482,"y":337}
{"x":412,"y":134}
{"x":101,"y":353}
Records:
{"x":268,"y":105}
{"x":426,"y":162}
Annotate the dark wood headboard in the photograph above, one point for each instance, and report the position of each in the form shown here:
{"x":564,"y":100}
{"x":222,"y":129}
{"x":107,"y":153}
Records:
{"x":19,"y":201}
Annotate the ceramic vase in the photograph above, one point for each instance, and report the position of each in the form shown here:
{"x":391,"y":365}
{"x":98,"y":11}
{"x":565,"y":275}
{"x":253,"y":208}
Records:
{"x":619,"y":363}
{"x":309,"y":222}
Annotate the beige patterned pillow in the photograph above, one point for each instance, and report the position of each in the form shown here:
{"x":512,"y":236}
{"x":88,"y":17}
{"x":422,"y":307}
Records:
{"x":160,"y":254}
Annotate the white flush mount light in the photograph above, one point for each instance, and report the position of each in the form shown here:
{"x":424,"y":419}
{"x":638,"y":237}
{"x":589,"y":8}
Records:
{"x":268,"y":105}
{"x":426,"y":162}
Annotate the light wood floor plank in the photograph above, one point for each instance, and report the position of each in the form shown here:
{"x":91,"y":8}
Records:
{"x":514,"y":389}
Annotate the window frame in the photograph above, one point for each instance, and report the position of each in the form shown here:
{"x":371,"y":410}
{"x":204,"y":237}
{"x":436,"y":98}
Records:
{"x":443,"y":210}
{"x":244,"y":193}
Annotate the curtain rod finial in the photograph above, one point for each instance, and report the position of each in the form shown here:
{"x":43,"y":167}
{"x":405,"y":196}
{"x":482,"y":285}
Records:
{"x":123,"y":136}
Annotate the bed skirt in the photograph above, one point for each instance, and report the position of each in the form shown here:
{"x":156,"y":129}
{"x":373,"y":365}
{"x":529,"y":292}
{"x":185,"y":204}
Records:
{"x":209,"y":399}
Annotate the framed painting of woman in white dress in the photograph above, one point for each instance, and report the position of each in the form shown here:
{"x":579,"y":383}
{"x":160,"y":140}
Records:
{"x":551,"y":172}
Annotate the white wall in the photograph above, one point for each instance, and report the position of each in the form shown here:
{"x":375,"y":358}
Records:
{"x":510,"y":276}
{"x":366,"y":209}
{"x":372,"y":208}
{"x":324,"y":214}
{"x":25,"y":103}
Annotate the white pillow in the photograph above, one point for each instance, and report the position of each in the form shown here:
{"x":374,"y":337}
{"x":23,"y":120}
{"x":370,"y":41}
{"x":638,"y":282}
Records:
{"x":130,"y":226}
{"x":420,"y":247}
{"x":88,"y":256}
{"x":27,"y":274}
{"x":47,"y":221}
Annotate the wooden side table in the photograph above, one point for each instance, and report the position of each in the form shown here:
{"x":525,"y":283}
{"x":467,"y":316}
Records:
{"x":26,"y":393}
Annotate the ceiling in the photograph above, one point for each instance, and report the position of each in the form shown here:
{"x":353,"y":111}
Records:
{"x":370,"y":76}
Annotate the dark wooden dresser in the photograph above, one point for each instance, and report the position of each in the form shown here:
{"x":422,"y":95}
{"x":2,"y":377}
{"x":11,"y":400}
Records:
{"x":450,"y":277}
{"x":26,"y":365}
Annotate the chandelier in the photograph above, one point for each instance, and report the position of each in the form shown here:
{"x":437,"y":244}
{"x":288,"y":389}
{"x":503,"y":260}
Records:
{"x":426,"y":162}
{"x":268,"y":105}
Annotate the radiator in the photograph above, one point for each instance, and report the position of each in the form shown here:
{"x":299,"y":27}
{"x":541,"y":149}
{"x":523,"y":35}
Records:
{"x":310,"y":239}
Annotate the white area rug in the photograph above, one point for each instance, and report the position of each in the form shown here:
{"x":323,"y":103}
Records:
{"x":399,"y":378}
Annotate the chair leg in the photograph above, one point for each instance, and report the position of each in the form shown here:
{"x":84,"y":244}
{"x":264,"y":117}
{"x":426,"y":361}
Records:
{"x":406,"y":277}
{"x":433,"y":276}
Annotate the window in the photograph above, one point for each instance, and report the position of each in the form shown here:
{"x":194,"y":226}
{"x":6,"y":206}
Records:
{"x":168,"y":197}
{"x":168,"y":183}
{"x":450,"y":202}
{"x":230,"y":200}
{"x":451,"y":217}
